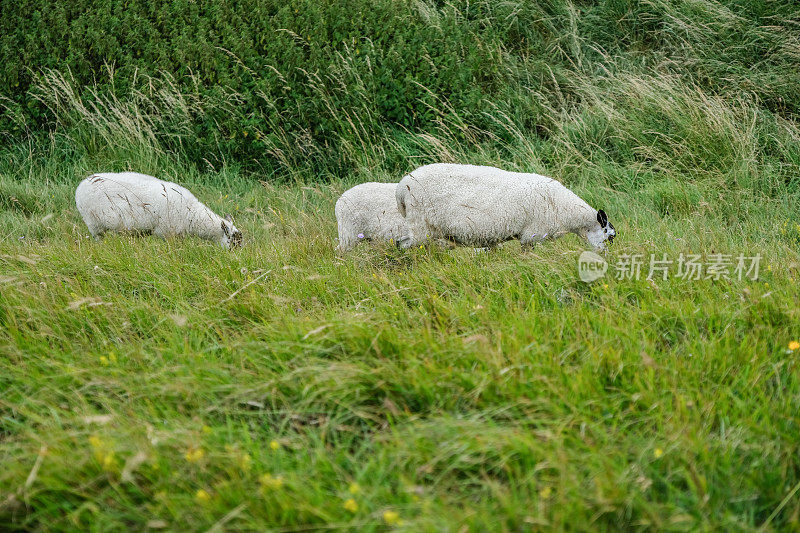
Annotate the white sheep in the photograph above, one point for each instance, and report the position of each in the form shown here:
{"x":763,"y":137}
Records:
{"x":368,"y":212}
{"x":133,"y":202}
{"x":484,"y":206}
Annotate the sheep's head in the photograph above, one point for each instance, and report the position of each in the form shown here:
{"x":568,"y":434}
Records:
{"x":602,"y":231}
{"x":231,"y":237}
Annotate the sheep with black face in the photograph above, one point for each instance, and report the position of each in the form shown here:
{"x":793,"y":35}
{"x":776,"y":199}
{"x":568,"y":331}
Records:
{"x":484,"y":206}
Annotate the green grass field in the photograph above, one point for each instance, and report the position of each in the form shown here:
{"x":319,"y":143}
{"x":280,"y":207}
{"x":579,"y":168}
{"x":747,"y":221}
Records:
{"x":173,"y":385}
{"x":150,"y":384}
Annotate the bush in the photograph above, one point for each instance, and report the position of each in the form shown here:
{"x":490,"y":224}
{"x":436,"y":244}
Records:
{"x":277,"y":85}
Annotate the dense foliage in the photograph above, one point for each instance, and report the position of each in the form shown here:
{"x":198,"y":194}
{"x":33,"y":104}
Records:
{"x":276,"y":85}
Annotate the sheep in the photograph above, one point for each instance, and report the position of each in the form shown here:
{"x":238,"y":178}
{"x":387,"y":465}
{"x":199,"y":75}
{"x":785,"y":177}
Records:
{"x":368,"y":212}
{"x":484,"y":206}
{"x":133,"y":202}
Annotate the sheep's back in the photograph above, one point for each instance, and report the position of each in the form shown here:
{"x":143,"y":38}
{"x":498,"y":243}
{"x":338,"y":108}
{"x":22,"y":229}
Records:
{"x":478,"y":204}
{"x":456,"y":199}
{"x":133,"y":202}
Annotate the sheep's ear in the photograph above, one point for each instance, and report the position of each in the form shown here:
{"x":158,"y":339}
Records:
{"x":602,"y":219}
{"x":225,"y":229}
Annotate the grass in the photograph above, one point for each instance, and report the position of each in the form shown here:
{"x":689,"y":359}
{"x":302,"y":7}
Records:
{"x":145,"y":380}
{"x":149,"y":384}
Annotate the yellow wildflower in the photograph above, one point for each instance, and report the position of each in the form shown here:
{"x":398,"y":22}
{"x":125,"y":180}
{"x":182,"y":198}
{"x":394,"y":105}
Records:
{"x":194,"y":455}
{"x":275,"y":445}
{"x":207,"y":430}
{"x":202,"y":496}
{"x":658,"y":452}
{"x":104,"y":360}
{"x":269,"y":482}
{"x":108,"y":461}
{"x":102,"y":453}
{"x":545,"y":493}
{"x":351,"y":505}
{"x":392,"y":518}
{"x":794,"y":345}
{"x":354,"y":488}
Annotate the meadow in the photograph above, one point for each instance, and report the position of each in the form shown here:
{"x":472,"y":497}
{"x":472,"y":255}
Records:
{"x":154,"y":384}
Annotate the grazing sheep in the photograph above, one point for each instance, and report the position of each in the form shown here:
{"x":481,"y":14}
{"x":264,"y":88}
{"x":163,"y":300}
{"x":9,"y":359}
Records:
{"x":368,"y":212}
{"x":484,"y":206}
{"x":132,"y":202}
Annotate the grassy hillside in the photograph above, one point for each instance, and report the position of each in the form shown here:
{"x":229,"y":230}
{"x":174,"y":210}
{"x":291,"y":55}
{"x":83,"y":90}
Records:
{"x":144,"y":382}
{"x":149,"y":384}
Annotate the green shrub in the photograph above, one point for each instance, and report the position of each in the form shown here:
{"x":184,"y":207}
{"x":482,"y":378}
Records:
{"x":324,"y":86}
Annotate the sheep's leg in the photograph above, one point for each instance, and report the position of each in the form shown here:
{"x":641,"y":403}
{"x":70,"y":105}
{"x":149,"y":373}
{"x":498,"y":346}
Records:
{"x":346,"y":243}
{"x":164,"y":233}
{"x":95,"y":226}
{"x":446,"y":244}
{"x":96,"y":231}
{"x":529,"y":238}
{"x":348,"y":234}
{"x":406,"y":240}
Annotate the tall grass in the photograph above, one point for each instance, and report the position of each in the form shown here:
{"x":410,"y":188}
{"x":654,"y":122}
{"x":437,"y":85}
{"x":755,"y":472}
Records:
{"x":327,"y":88}
{"x":174,"y":385}
{"x":653,"y":126}
{"x":492,"y":391}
